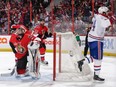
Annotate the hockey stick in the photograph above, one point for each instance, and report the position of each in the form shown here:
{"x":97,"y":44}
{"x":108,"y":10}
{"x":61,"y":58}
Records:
{"x":8,"y":74}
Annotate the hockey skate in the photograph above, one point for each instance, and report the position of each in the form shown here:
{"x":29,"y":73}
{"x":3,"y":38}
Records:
{"x":80,"y":63}
{"x":97,"y":78}
{"x":26,"y":74}
{"x":44,"y":62}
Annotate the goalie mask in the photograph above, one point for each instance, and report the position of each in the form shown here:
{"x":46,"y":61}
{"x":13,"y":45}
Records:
{"x":19,"y":30}
{"x":19,"y":27}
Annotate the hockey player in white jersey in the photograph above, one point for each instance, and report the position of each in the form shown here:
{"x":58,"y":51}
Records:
{"x":95,"y":40}
{"x":96,"y":37}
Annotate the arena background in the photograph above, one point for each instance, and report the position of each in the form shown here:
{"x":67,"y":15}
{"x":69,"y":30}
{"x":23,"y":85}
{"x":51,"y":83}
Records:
{"x":59,"y":15}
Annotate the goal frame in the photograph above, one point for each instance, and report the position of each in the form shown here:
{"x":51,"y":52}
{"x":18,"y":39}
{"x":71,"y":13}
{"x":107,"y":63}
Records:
{"x":54,"y":55}
{"x":59,"y":51}
{"x":59,"y":68}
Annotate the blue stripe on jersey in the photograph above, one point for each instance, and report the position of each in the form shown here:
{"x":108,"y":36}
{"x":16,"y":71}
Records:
{"x":97,"y":38}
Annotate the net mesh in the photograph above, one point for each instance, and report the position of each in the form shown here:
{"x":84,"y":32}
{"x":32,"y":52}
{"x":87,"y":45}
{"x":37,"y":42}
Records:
{"x":71,"y":53}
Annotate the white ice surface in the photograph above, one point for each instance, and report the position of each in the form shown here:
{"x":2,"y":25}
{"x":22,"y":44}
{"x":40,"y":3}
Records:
{"x":7,"y":62}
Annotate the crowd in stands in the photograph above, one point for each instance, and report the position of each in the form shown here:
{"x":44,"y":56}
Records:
{"x":19,"y":12}
{"x":61,"y":17}
{"x":82,"y":14}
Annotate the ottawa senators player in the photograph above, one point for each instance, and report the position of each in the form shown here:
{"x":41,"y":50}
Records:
{"x":18,"y":42}
{"x":42,"y":31}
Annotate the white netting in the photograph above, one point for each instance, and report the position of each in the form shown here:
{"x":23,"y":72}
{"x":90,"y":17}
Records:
{"x":71,"y":53}
{"x":70,"y":45}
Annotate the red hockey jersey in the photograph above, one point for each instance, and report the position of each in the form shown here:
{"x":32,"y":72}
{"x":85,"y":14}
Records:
{"x":41,"y":29}
{"x":22,"y":45}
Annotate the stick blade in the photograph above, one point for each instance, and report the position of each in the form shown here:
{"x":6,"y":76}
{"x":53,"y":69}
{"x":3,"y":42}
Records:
{"x":8,"y":74}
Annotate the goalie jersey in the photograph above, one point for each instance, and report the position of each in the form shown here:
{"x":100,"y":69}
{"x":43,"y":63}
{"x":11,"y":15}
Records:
{"x":19,"y":47}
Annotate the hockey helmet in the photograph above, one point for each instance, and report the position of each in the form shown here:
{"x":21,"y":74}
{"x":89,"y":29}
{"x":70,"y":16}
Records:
{"x":19,"y":26}
{"x":23,"y":27}
{"x":42,"y":22}
{"x":14,"y":26}
{"x":103,"y":9}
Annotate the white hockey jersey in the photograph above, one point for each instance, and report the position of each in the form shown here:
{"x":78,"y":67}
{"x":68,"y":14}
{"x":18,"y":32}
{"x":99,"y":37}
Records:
{"x":100,"y":23}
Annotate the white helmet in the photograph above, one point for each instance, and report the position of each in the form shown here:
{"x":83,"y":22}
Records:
{"x":102,"y":9}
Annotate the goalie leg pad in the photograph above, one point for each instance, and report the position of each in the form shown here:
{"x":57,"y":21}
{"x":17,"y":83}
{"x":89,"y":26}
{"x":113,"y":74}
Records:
{"x":34,"y":63}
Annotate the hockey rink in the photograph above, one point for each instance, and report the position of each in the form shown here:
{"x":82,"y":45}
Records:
{"x":7,"y":63}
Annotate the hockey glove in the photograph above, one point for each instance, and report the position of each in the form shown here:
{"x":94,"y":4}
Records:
{"x":50,"y":34}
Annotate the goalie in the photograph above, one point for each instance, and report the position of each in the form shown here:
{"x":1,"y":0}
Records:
{"x":18,"y":42}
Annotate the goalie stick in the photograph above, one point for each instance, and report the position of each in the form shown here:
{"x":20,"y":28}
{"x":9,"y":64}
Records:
{"x":9,"y":74}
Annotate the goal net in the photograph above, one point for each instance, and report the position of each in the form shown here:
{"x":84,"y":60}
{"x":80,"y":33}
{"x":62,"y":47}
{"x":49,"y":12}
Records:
{"x":67,"y":53}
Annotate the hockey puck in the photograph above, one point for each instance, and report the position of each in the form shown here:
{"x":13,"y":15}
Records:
{"x":9,"y":69}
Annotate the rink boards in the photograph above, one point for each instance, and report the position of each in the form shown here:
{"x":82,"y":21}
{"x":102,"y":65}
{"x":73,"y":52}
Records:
{"x":109,"y":44}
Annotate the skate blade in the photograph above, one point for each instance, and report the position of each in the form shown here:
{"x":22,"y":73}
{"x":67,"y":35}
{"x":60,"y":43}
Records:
{"x":44,"y":64}
{"x":97,"y":81}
